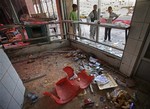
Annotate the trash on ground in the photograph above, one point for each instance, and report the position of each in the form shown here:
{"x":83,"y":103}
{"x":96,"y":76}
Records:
{"x":68,"y":55}
{"x":121,"y":99}
{"x":75,"y":58}
{"x":91,"y":88}
{"x":88,"y":103}
{"x":110,"y":84}
{"x":93,"y":60}
{"x":81,"y":68}
{"x":102,"y":79}
{"x":132,"y":106}
{"x":33,"y":97}
{"x":108,"y":95}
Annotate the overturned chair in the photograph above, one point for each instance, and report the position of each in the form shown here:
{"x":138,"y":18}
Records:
{"x":83,"y":80}
{"x":65,"y":91}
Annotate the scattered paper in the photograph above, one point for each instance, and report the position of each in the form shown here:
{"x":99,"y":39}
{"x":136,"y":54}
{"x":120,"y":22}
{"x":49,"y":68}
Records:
{"x":102,"y":79}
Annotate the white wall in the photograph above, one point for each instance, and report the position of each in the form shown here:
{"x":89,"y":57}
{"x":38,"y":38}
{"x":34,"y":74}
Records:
{"x":11,"y":87}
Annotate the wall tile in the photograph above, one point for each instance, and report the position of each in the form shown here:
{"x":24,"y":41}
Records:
{"x":21,"y":86}
{"x":8,"y":83}
{"x":12,"y":72}
{"x":4,"y":96}
{"x":5,"y":60}
{"x":2,"y":70}
{"x":1,"y":56}
{"x":13,"y":104}
{"x":18,"y":96}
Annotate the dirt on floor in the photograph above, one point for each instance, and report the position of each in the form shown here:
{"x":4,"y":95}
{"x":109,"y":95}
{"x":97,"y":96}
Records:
{"x":40,"y":72}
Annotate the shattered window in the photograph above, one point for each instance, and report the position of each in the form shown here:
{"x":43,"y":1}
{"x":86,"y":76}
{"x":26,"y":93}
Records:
{"x":116,"y":37}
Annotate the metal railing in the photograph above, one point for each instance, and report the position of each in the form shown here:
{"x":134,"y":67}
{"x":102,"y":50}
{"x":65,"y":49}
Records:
{"x":21,"y":27}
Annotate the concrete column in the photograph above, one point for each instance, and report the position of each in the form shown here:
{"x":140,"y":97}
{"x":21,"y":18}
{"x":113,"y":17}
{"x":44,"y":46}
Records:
{"x":136,"y":38}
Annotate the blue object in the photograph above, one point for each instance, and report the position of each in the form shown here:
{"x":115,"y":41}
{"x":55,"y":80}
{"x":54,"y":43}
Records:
{"x":132,"y":106}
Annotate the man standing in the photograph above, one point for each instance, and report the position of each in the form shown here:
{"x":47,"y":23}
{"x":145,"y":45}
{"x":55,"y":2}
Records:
{"x":112,"y":17}
{"x":93,"y":17}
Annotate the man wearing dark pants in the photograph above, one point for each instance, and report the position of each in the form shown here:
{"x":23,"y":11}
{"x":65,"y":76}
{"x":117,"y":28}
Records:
{"x":93,"y":17}
{"x":112,"y":17}
{"x":107,"y":33}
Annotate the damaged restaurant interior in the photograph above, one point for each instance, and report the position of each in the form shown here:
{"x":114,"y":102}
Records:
{"x":50,"y":61}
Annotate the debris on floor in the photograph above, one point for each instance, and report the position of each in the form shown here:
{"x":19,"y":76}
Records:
{"x":106,"y":81}
{"x":121,"y":99}
{"x":91,"y":88}
{"x":32,"y":97}
{"x":46,"y":69}
{"x":88,"y":103}
{"x":82,"y":93}
{"x":102,"y":79}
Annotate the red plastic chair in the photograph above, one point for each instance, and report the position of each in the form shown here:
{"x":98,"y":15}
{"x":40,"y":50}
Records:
{"x":65,"y":91}
{"x":69,"y":70}
{"x":83,"y":79}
